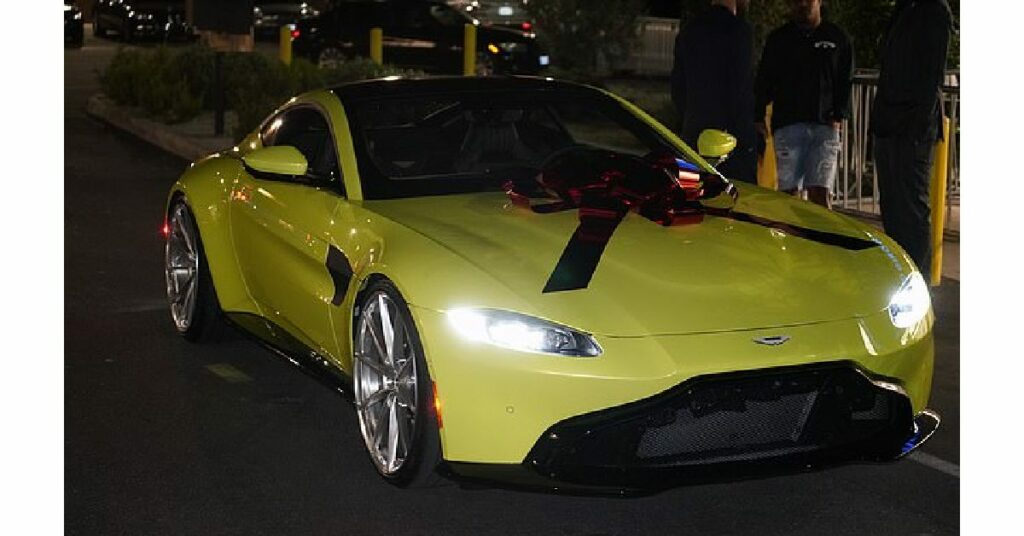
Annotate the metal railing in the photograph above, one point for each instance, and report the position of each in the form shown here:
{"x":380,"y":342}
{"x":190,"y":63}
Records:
{"x":655,"y":50}
{"x":857,"y":182}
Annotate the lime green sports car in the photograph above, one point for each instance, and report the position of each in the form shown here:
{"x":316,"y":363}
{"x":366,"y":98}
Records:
{"x":534,"y":282}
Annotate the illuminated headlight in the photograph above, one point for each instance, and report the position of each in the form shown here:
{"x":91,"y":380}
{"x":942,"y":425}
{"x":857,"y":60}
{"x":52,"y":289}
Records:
{"x":520,"y":332}
{"x":78,"y":16}
{"x":911,"y":302}
{"x":140,"y":16}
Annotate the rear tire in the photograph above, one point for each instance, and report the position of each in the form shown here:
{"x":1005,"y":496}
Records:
{"x":190,"y":293}
{"x":394,"y":393}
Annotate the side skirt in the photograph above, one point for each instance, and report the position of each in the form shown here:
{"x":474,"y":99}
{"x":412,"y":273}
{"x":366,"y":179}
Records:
{"x":276,"y":339}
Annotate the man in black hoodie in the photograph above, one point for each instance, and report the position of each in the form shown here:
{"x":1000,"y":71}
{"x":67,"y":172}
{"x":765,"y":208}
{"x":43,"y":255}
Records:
{"x":906,"y":120}
{"x":712,"y":84}
{"x":806,"y":71}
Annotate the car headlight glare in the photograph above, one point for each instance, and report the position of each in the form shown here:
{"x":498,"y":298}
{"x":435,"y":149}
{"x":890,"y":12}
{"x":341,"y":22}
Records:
{"x":521,"y":332}
{"x":911,"y":302}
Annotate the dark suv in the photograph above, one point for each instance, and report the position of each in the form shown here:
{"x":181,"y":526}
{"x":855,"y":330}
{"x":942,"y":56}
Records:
{"x":421,"y":34}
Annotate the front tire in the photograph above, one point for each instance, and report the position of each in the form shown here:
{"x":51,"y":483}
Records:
{"x":190,"y":292}
{"x":394,"y":393}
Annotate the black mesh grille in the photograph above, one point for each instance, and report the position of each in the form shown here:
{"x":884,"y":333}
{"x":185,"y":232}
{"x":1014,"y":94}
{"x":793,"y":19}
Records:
{"x":742,"y":417}
{"x":759,"y":424}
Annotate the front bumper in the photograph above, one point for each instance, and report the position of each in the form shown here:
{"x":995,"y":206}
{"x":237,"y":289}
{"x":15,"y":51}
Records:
{"x":725,"y":423}
{"x":498,"y":403}
{"x":576,"y":477}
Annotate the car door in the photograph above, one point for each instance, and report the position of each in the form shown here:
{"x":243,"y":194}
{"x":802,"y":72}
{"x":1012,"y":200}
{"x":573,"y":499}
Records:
{"x":283,"y":229}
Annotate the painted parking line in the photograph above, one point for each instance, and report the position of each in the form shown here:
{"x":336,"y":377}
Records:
{"x":229,"y":373}
{"x":936,"y":463}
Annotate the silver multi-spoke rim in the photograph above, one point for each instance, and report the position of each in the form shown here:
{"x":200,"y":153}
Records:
{"x":384,"y":372}
{"x":181,"y":267}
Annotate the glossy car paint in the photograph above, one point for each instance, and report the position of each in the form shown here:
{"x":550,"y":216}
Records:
{"x":666,"y":303}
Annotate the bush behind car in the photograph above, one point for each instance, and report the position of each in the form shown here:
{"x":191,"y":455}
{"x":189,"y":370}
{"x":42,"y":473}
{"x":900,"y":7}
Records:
{"x":174,"y":85}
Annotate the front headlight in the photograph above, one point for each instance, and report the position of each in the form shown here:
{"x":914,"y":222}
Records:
{"x":520,"y":332}
{"x":911,"y":302}
{"x":78,"y":15}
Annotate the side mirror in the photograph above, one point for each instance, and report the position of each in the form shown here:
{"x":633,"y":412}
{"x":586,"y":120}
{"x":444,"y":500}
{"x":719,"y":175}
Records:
{"x":278,"y":160}
{"x":715,"y":145}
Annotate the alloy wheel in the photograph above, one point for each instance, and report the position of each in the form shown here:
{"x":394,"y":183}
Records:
{"x":181,"y":267}
{"x":384,"y":373}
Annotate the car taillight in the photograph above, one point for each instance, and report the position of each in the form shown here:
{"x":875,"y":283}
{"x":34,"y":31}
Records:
{"x":295,"y":34}
{"x":527,"y":26}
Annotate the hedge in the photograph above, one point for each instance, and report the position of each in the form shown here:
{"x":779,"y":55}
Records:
{"x":175,"y":84}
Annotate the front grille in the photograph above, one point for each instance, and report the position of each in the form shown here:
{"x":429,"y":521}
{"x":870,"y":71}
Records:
{"x":774,"y":414}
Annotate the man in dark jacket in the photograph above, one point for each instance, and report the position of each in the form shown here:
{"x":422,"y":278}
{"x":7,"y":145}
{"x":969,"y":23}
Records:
{"x":806,"y":72}
{"x":712,"y":84}
{"x":907,"y":120}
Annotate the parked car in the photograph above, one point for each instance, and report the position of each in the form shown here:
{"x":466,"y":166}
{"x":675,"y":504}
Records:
{"x":505,"y":13}
{"x":533,"y":281}
{"x":142,"y":19}
{"x":269,"y":15}
{"x":427,"y":35}
{"x":73,"y":28}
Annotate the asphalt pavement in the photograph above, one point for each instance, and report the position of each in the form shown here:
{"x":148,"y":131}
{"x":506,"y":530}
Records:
{"x":167,"y":437}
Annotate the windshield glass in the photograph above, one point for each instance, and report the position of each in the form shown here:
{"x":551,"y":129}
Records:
{"x":475,"y":142}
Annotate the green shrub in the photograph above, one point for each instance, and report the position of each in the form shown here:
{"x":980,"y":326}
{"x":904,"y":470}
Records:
{"x":176,"y":85}
{"x":362,"y":69}
{"x":154,"y":81}
{"x":121,"y":79}
{"x":580,"y":34}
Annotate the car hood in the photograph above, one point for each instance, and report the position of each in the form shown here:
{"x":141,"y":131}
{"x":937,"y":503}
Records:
{"x":720,"y":274}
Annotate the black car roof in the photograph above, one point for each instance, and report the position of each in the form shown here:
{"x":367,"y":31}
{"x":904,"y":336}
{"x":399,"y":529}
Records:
{"x":452,"y":84}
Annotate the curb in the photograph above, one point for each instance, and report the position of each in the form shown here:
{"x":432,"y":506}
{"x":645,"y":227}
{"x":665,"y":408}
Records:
{"x":158,"y":134}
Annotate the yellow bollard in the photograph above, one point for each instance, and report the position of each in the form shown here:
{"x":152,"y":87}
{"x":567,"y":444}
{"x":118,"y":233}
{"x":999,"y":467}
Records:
{"x":767,"y":169}
{"x":940,"y":172}
{"x":377,"y":45}
{"x":285,"y":50}
{"x":469,"y":50}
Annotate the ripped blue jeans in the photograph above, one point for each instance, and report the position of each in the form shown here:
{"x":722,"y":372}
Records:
{"x":807,"y":155}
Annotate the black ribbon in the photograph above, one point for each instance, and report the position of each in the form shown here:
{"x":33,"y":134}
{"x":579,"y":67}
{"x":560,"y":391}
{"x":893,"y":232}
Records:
{"x":605,"y":186}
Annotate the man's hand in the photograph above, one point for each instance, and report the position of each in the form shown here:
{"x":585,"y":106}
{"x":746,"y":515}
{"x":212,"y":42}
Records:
{"x":761,"y":128}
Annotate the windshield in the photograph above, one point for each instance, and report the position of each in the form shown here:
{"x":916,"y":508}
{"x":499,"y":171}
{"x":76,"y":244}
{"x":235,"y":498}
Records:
{"x":475,"y":142}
